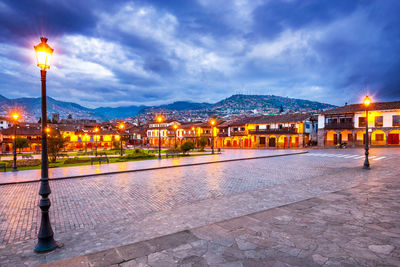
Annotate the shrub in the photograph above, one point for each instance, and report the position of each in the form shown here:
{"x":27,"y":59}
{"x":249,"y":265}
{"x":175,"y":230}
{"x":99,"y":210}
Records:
{"x":137,"y":154}
{"x":24,"y":163}
{"x":187,"y":146}
{"x":76,"y":160}
{"x":202,"y":143}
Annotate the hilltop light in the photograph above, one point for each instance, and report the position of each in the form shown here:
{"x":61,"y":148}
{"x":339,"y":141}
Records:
{"x":15,"y":116}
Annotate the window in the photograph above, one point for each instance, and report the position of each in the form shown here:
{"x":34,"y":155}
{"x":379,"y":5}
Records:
{"x":307,"y":126}
{"x":378,"y":121}
{"x":292,"y":125}
{"x":268,"y":127}
{"x":280,"y":126}
{"x":378,"y":137}
{"x":242,"y":129}
{"x":396,"y":120}
{"x":361,"y":122}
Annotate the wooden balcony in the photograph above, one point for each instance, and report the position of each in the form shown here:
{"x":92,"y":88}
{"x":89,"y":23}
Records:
{"x":274,"y":131}
{"x":339,"y":125}
{"x":238,"y":133}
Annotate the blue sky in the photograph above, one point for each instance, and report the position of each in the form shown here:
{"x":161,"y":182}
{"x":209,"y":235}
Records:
{"x":115,"y":53}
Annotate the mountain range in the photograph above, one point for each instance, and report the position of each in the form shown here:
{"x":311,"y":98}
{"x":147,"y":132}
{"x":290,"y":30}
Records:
{"x":32,"y":106}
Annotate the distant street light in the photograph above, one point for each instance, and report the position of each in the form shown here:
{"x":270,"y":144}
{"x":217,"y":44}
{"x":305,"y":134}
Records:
{"x":175,"y":128}
{"x":159,"y":120}
{"x":96,"y":130}
{"x":121,"y":127}
{"x":367,"y":102}
{"x":194,"y":136}
{"x":46,"y":241}
{"x":15,"y":117}
{"x":212,"y":122}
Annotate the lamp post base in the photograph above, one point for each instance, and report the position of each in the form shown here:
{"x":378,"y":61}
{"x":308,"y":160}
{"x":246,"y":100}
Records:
{"x":47,"y":245}
{"x":14,"y":169}
{"x":366,"y":167}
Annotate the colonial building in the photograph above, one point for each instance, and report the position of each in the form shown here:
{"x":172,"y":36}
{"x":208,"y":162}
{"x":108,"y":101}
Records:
{"x":268,"y":131}
{"x":30,"y":132}
{"x":347,"y":125}
{"x":5,"y":123}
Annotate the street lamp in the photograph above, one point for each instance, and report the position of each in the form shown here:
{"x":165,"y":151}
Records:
{"x":194,"y":136}
{"x":175,"y":127}
{"x":159,"y":120}
{"x":46,"y":241}
{"x":15,"y":117}
{"x":96,"y":130}
{"x":212,"y":122}
{"x":121,"y":127}
{"x":367,"y":102}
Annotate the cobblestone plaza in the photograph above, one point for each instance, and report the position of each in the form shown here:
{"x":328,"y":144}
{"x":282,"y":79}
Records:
{"x":96,"y":213}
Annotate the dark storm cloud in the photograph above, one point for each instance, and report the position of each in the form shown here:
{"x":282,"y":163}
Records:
{"x":145,"y":52}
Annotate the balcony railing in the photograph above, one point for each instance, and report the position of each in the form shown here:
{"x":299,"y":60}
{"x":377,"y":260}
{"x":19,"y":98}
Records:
{"x":238,"y":133}
{"x":274,"y":131}
{"x":339,"y":125}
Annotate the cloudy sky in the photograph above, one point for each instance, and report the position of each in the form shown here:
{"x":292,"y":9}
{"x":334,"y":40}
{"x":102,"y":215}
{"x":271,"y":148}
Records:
{"x":114,"y":53}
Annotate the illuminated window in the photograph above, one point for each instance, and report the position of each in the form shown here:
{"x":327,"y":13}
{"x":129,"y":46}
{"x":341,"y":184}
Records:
{"x":378,"y":137}
{"x":396,"y":120}
{"x":378,"y":121}
{"x":361,"y":122}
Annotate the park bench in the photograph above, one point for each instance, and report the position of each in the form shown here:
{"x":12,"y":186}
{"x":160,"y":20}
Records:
{"x":27,"y":157}
{"x":62,"y":155}
{"x":3,"y":166}
{"x":171,"y":154}
{"x":101,"y":158}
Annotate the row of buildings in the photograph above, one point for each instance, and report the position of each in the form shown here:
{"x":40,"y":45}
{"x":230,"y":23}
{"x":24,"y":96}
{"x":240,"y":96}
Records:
{"x":336,"y":126}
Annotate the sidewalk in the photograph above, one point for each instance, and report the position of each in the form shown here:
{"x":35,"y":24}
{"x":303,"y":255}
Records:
{"x":359,"y":226}
{"x":94,"y":170}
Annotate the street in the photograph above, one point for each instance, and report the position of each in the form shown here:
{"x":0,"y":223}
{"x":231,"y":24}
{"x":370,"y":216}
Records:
{"x":112,"y":210}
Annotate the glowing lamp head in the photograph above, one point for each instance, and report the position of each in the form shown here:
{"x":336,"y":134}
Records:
{"x":43,"y":54}
{"x":159,"y":118}
{"x":175,"y":126}
{"x":367,"y":101}
{"x":47,"y":129}
{"x":96,"y":130}
{"x":121,"y":126}
{"x":212,"y":122}
{"x":15,"y":116}
{"x":193,"y":129}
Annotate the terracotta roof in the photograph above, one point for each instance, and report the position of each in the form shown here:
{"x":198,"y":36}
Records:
{"x":284,"y":118}
{"x":360,"y":107}
{"x":21,"y":131}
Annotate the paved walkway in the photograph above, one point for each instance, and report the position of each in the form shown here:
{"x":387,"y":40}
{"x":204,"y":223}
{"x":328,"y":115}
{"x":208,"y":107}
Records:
{"x":354,"y":227}
{"x":79,"y":171}
{"x":108,"y":211}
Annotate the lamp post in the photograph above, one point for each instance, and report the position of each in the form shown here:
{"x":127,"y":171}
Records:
{"x":175,"y":128}
{"x":159,"y":120}
{"x":121,"y":127}
{"x":46,"y":241}
{"x":367,"y":102}
{"x":194,"y":136}
{"x":15,"y":117}
{"x":96,"y":130}
{"x":85,"y":137}
{"x":212,"y":122}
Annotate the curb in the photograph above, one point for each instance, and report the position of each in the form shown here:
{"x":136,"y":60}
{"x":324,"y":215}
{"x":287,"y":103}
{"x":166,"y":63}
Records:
{"x":154,"y":168}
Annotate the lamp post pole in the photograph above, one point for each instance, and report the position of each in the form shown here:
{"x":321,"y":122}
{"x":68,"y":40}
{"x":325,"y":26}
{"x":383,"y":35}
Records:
{"x":366,"y":162}
{"x":159,"y":142}
{"x":212,"y":140}
{"x":14,"y":168}
{"x":46,"y":241}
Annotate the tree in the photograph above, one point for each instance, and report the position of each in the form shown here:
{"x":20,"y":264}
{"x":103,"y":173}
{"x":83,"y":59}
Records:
{"x":281,"y":109}
{"x":187,"y":146}
{"x":55,"y":144}
{"x":203,"y":142}
{"x":21,"y":143}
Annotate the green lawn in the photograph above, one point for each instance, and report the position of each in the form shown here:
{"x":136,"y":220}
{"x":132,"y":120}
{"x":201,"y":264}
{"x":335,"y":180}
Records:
{"x":61,"y":162}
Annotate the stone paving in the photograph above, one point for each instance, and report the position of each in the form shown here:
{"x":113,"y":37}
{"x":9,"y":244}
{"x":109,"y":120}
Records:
{"x":93,"y":214}
{"x":354,"y":227}
{"x":34,"y":175}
